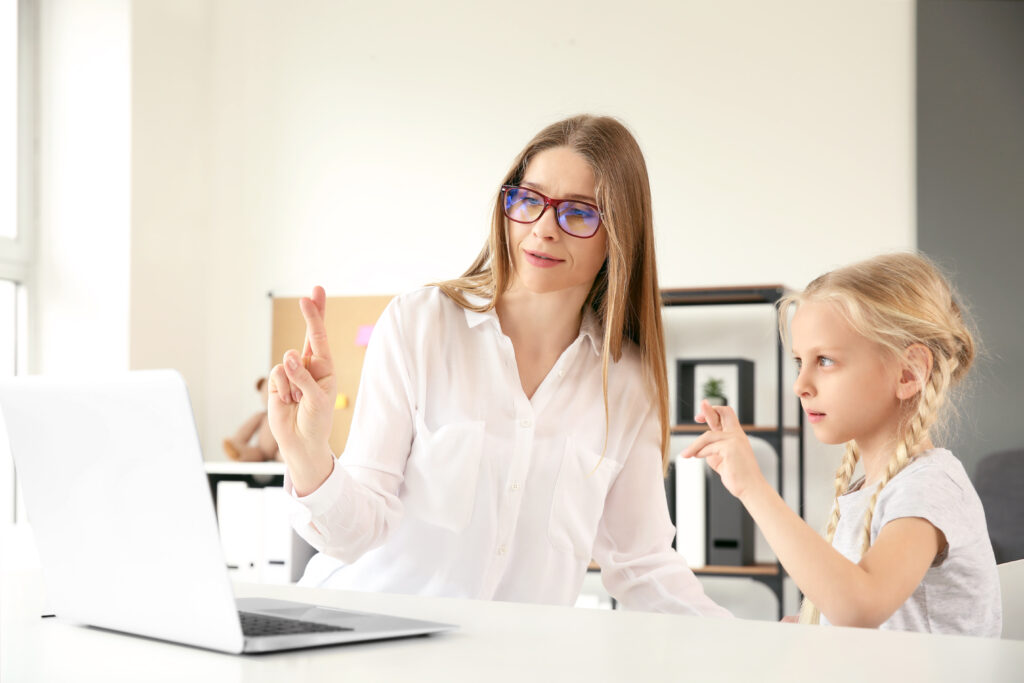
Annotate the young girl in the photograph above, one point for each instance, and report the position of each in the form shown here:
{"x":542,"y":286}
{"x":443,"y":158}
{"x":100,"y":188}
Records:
{"x":878,"y":344}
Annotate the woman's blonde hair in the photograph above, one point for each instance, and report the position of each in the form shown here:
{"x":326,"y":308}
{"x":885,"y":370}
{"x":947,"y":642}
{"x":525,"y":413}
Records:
{"x":625,"y":295}
{"x":894,"y":300}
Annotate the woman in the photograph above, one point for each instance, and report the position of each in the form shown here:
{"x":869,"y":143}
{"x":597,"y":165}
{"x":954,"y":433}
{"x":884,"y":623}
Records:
{"x":513,"y":423}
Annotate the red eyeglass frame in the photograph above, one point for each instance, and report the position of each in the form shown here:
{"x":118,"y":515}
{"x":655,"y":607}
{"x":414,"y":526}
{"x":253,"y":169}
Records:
{"x":553,"y":203}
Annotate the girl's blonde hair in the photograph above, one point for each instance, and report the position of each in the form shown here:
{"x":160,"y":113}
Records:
{"x":625,"y":294}
{"x":895,"y":300}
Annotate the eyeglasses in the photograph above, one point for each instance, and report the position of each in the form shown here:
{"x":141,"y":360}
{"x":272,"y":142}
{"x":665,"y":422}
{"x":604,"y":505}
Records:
{"x":575,"y":218}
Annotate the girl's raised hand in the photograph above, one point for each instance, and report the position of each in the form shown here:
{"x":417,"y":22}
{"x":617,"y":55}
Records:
{"x":301,"y":401}
{"x":726,"y":448}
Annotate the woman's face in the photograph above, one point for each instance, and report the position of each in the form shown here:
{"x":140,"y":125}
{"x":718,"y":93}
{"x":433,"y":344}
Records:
{"x":545,"y":258}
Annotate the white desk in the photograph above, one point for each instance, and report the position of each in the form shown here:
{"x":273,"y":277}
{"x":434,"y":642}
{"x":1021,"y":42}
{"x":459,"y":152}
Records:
{"x":269,"y":469}
{"x":503,"y":642}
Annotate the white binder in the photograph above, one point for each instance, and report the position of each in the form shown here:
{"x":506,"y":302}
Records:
{"x":691,"y":514}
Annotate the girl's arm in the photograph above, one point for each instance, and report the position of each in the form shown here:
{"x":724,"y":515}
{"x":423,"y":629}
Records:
{"x":848,"y":594}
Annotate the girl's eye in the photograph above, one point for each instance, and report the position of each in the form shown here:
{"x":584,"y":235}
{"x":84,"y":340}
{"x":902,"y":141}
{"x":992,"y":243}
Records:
{"x":825,"y":361}
{"x":799,"y":363}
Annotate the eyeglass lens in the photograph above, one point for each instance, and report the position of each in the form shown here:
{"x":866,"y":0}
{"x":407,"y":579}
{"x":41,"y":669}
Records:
{"x":526,"y":206}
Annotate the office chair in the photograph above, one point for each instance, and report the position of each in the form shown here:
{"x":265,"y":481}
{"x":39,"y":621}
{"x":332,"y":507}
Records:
{"x":1011,"y":584}
{"x":999,"y":480}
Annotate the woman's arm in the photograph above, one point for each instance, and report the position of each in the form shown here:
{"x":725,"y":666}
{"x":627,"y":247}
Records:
{"x":356,"y":505}
{"x":300,"y":401}
{"x":848,"y":594}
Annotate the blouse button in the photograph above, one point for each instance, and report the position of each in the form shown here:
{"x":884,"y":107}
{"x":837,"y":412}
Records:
{"x":525,"y":423}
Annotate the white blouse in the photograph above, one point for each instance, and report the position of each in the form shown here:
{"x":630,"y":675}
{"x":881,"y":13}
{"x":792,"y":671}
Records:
{"x":454,"y":483}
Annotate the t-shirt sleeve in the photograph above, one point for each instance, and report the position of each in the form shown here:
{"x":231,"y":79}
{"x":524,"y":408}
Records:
{"x":930,"y":493}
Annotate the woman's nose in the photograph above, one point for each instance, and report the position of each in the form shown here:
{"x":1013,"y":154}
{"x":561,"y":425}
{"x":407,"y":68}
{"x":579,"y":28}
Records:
{"x":546,"y":227}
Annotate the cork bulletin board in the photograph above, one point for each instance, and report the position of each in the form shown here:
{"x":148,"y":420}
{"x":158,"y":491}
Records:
{"x":349,"y":322}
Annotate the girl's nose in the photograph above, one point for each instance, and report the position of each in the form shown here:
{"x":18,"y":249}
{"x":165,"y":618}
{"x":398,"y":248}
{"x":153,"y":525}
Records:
{"x":803,"y":386}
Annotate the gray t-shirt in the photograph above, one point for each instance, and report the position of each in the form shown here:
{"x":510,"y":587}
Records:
{"x":960,"y":592}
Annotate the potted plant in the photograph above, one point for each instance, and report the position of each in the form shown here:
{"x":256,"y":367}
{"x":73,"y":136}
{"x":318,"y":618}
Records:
{"x":713,"y":392}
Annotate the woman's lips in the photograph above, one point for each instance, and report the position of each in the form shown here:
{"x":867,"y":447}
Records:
{"x":540,"y":259}
{"x":814,"y":416}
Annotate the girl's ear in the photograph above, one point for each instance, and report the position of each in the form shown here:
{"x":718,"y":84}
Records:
{"x":915,"y":369}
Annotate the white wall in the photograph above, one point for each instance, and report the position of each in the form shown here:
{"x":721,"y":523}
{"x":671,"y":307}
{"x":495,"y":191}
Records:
{"x":779,"y":138}
{"x":171,"y":151}
{"x":84,"y":128}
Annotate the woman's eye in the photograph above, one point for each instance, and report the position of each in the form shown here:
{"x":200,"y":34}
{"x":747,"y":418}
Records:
{"x":798,"y":362}
{"x":825,"y":361}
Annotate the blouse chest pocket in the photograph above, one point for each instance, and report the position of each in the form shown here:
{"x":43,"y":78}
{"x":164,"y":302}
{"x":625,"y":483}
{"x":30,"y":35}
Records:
{"x":442,"y":473}
{"x":578,"y":502}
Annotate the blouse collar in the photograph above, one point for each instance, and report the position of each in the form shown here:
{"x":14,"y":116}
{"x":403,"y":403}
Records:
{"x":590,"y":327}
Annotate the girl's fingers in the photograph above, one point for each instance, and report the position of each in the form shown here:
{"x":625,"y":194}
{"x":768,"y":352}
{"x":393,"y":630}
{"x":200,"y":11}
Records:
{"x":709,"y":452}
{"x":727,"y":418}
{"x":702,"y":441}
{"x":713,"y":455}
{"x":711,"y":415}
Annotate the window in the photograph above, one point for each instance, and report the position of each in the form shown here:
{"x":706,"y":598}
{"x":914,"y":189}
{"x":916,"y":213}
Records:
{"x":17,"y":57}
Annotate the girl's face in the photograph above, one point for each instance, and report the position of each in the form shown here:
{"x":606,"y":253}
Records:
{"x":847,"y":384}
{"x":545,"y":258}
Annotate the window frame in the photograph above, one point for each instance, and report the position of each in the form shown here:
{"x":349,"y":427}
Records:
{"x":18,"y":254}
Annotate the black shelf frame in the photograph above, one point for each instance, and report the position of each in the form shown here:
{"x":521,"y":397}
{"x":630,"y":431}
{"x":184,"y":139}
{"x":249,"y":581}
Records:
{"x":774,"y":435}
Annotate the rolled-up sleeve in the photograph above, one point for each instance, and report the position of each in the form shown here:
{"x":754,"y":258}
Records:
{"x":639,"y":568}
{"x":357,"y":506}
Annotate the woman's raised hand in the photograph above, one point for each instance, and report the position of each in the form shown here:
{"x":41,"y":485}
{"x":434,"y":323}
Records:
{"x":726,"y":448}
{"x":301,"y":401}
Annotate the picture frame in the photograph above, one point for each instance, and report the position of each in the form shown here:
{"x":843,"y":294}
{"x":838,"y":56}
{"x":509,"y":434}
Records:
{"x":731,"y":378}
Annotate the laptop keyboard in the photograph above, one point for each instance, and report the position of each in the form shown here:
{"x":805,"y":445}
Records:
{"x":265,"y":625}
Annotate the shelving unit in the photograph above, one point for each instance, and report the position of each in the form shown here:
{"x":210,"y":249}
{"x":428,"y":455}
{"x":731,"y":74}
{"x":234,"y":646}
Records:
{"x":254,"y":474}
{"x":772,"y":574}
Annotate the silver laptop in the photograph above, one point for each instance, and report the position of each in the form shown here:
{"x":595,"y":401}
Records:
{"x":121,"y":511}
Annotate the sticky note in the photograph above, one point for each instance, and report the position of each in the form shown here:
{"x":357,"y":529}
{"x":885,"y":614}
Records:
{"x":363,"y":335}
{"x":341,"y":402}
